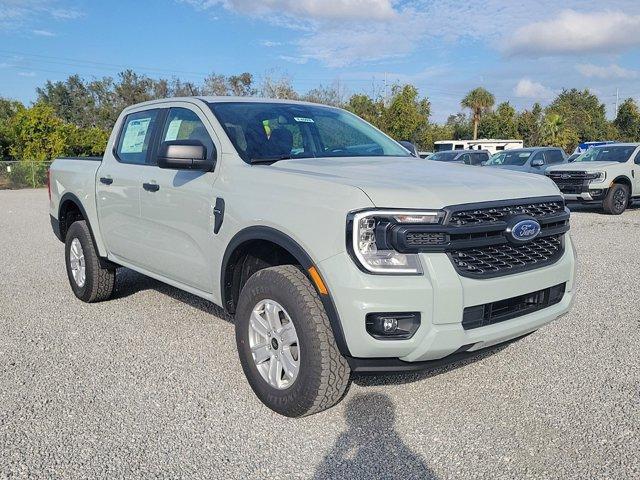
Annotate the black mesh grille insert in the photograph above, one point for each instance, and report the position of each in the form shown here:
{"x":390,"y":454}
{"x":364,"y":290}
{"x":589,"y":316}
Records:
{"x":482,"y":315}
{"x":505,"y":258}
{"x":421,"y":239}
{"x":497,"y":214}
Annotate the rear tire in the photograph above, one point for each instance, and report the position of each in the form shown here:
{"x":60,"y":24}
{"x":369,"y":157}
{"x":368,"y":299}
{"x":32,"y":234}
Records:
{"x":322,"y":377}
{"x":617,"y":199}
{"x":89,"y":281}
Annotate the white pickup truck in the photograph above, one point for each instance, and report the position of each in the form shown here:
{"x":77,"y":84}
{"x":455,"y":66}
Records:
{"x":607,"y":175}
{"x":336,"y":249}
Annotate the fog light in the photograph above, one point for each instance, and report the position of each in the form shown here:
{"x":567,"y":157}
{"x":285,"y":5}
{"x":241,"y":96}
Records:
{"x":595,"y":192}
{"x":392,"y":326}
{"x":389,"y":324}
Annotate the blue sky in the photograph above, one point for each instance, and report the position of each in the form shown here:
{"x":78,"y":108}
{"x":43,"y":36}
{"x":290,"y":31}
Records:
{"x":521,"y":51}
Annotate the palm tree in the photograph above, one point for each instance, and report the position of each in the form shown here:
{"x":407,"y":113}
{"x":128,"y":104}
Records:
{"x":553,"y":124}
{"x":479,"y":101}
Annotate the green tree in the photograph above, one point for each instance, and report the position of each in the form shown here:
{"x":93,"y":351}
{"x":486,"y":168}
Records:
{"x":407,"y":115}
{"x":479,"y":101}
{"x":8,"y":109}
{"x":365,"y":107}
{"x":628,"y":120}
{"x":501,"y":123}
{"x":529,"y":125}
{"x":581,"y":112}
{"x":556,"y":133}
{"x":38,"y":136}
{"x":460,"y":126}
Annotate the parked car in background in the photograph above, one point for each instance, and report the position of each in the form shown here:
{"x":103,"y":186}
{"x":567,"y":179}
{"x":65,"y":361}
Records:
{"x":530,"y":160}
{"x":468,"y":157}
{"x":491,"y":145}
{"x":333,"y":247}
{"x":607,"y":175}
{"x":584,"y":146}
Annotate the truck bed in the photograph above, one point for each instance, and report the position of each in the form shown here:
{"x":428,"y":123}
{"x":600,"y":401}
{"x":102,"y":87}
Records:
{"x":75,"y":177}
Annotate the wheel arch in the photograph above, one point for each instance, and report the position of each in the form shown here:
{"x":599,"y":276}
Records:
{"x":244,"y":243}
{"x":623,"y":180}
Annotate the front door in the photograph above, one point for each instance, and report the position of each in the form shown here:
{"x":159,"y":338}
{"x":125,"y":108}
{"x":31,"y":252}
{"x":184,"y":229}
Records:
{"x":119,"y":184}
{"x":635,"y":173}
{"x":177,"y":208}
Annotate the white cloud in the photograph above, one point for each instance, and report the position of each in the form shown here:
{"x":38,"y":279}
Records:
{"x":573,"y":32}
{"x":292,"y":59}
{"x":43,"y":33}
{"x":312,"y":9}
{"x":270,"y":43}
{"x":17,"y":14}
{"x":605,"y":72}
{"x":27,"y":74}
{"x":527,"y":88}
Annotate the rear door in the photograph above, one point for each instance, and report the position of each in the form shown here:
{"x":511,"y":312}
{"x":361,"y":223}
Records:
{"x":177,"y":206}
{"x":118,"y":185}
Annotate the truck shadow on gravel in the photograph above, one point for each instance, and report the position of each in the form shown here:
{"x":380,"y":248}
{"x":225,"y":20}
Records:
{"x":371,"y":447}
{"x":377,"y":379}
{"x":129,"y":283}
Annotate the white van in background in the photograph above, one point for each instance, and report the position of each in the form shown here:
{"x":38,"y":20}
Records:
{"x":492,"y":145}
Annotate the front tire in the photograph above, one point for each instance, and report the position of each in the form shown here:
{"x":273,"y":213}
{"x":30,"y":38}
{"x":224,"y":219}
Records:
{"x":286,"y":345}
{"x":89,"y":281}
{"x":617,"y":199}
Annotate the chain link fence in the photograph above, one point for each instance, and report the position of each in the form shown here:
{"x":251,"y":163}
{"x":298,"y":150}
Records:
{"x":16,"y":174}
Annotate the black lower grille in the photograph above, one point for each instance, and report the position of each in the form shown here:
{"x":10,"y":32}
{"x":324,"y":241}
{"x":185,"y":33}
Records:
{"x":489,"y":313}
{"x":505,"y":258}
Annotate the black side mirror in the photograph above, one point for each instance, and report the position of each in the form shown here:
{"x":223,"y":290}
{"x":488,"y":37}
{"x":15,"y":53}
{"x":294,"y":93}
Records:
{"x":184,"y":155}
{"x":409,"y":146}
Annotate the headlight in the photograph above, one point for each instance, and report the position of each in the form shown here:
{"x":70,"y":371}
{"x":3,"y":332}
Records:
{"x":368,"y":240}
{"x":597,"y":176}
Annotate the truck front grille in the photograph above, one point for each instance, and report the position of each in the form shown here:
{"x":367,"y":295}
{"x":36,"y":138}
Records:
{"x":571,"y":182}
{"x":499,"y":213}
{"x":504,"y":259}
{"x":494,"y":312}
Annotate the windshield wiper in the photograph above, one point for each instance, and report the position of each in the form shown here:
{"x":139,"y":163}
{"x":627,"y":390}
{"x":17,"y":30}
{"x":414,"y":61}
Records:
{"x":272,"y":159}
{"x":276,"y":158}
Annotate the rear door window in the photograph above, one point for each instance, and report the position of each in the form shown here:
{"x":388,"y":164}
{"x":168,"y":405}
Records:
{"x":135,"y":137}
{"x":553,"y":156}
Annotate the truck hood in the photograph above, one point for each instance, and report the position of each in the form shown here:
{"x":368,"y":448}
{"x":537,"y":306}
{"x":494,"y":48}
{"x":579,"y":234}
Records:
{"x":400,"y":182}
{"x":516,"y":168}
{"x":581,"y":166}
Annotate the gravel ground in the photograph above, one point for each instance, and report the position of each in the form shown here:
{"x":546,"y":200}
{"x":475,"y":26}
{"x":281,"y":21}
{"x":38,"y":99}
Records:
{"x":149,"y":384}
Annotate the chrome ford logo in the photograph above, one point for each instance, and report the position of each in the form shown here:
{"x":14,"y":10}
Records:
{"x":524,"y":230}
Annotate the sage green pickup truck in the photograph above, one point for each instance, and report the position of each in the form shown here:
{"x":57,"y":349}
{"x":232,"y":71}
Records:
{"x":335,"y":249}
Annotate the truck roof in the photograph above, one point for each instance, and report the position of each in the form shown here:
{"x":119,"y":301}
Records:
{"x":223,"y":99}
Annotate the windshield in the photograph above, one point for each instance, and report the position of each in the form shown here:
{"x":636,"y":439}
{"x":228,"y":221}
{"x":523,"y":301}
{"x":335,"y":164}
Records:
{"x":516,"y":157}
{"x":444,"y":156}
{"x":620,"y":153}
{"x":275,"y":131}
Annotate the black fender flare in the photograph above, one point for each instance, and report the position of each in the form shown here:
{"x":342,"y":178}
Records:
{"x":304,"y":259}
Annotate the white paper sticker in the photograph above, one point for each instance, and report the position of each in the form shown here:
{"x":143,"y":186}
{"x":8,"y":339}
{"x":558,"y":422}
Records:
{"x":303,"y":119}
{"x":173,"y":130}
{"x":133,"y":141}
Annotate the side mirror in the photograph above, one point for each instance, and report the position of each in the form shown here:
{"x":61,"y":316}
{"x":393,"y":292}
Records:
{"x":538,"y":162}
{"x":409,"y":146}
{"x":184,"y":155}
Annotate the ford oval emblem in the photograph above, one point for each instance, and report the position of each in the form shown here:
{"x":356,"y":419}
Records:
{"x":524,"y":230}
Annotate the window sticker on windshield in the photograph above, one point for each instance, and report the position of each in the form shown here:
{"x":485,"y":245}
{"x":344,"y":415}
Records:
{"x":303,"y":119}
{"x":133,"y":141}
{"x":173,"y":129}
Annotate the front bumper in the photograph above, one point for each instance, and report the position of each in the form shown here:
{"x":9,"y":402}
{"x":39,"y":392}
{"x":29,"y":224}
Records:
{"x":440,"y":295}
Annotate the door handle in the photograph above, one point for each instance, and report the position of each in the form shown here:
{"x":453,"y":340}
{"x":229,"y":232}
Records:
{"x":151,"y":187}
{"x":106,"y":180}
